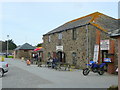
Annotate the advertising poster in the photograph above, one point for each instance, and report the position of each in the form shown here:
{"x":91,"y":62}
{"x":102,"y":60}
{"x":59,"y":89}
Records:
{"x":96,"y":52}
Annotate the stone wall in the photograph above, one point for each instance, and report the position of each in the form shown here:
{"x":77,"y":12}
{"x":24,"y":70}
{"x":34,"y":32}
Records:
{"x":21,"y":53}
{"x":79,"y":46}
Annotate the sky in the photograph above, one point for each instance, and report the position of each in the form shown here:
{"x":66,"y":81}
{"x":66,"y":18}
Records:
{"x":29,"y":21}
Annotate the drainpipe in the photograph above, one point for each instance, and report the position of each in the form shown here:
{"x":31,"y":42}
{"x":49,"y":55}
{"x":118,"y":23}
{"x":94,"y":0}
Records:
{"x":87,"y":46}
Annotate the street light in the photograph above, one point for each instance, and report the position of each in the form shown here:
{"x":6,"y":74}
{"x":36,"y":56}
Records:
{"x":7,"y":45}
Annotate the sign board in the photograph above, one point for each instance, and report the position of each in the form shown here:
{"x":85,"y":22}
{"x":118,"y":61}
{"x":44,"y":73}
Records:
{"x":96,"y":48}
{"x":59,"y":48}
{"x":104,"y":45}
{"x":96,"y":52}
{"x":107,"y":59}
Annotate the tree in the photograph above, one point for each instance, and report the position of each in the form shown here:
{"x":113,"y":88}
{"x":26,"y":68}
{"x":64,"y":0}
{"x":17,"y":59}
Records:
{"x":11,"y":45}
{"x":39,"y":45}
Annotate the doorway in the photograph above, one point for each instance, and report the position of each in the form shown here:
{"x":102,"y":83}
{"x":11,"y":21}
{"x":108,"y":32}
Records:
{"x":61,"y":56}
{"x":105,"y":55}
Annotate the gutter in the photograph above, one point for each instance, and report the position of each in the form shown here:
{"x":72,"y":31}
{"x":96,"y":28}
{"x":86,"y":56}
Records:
{"x":114,"y":35}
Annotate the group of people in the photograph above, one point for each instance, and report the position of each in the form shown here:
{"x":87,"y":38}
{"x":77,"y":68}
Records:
{"x":35,"y":56}
{"x":52,"y":62}
{"x":37,"y":59}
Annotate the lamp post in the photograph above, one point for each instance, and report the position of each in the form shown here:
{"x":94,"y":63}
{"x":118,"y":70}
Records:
{"x":7,"y":45}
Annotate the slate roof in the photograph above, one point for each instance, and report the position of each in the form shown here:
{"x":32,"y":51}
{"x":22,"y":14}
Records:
{"x":96,"y":19}
{"x":25,"y":46}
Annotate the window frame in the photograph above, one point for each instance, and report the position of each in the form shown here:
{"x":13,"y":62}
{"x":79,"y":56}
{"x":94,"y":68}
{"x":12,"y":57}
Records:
{"x":74,"y":34}
{"x":60,"y":36}
{"x":74,"y":58}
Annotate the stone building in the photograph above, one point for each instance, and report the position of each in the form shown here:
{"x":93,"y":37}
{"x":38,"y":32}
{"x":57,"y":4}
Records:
{"x":23,"y":51}
{"x":74,"y":41}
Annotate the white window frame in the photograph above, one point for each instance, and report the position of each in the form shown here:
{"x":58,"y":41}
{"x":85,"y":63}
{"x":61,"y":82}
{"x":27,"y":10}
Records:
{"x":60,"y":36}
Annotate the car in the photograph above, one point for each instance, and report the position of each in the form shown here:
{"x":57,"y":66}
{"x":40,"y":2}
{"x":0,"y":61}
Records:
{"x":3,"y":68}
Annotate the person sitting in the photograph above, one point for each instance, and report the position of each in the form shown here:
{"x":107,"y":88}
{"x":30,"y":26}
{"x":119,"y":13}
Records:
{"x":49,"y":62}
{"x":54,"y":63}
{"x":28,"y":62}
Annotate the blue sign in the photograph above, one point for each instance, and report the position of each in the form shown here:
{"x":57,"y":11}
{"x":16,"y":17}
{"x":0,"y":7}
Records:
{"x":107,"y":59}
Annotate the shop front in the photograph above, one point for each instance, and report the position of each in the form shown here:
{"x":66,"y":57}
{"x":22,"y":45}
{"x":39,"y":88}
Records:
{"x":38,"y":53}
{"x":59,"y":54}
{"x":107,"y":48}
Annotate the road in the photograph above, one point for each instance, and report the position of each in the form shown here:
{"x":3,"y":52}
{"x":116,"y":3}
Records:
{"x":22,"y":76}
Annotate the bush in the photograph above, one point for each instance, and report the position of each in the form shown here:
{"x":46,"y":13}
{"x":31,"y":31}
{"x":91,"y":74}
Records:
{"x":10,"y":56}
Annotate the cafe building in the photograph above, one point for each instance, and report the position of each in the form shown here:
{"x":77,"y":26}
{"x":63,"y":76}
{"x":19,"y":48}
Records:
{"x":83,"y":39}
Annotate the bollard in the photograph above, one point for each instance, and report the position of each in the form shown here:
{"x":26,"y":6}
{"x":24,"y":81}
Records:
{"x":2,"y":59}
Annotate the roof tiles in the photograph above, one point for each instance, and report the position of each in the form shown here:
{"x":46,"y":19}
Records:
{"x":97,"y":19}
{"x":25,"y":46}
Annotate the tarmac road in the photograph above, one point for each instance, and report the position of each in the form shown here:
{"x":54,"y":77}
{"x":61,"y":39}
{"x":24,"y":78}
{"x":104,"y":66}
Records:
{"x":22,"y":76}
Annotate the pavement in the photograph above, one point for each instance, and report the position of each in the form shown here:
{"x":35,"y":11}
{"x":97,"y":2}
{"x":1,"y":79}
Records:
{"x":22,"y":76}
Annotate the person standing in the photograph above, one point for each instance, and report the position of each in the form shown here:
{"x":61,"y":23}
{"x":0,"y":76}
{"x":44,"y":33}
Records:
{"x":39,"y":61}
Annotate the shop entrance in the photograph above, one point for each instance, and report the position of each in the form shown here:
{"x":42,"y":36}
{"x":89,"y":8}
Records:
{"x":105,"y":55}
{"x":61,"y":56}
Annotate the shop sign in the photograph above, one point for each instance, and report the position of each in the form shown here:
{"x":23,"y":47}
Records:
{"x":104,"y":44}
{"x":59,"y":48}
{"x":96,"y":52}
{"x":107,"y":59}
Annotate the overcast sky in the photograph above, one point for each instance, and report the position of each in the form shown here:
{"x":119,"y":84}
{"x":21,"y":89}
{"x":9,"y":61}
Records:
{"x":28,"y":21}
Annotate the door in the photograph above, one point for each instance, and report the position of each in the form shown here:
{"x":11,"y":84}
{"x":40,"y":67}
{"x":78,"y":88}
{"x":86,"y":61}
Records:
{"x":61,"y":56}
{"x":105,"y":55}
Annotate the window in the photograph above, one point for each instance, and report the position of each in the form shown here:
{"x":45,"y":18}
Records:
{"x":60,"y":36}
{"x":49,"y":38}
{"x":74,"y":58}
{"x":74,"y":34}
